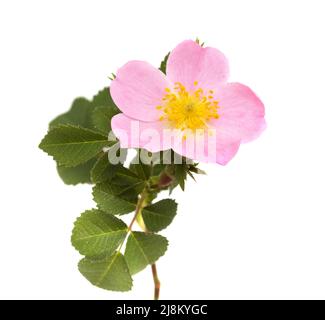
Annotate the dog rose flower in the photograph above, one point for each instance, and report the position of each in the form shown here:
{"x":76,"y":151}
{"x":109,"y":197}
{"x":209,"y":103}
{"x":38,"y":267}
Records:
{"x":192,"y":109}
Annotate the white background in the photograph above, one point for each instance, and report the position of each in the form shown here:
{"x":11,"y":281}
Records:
{"x":251,"y":230}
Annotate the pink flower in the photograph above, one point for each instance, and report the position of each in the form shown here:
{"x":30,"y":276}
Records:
{"x":192,"y":109}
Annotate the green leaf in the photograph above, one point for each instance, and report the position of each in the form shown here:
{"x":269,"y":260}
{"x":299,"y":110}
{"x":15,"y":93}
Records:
{"x":96,"y":233}
{"x":95,"y":114}
{"x":142,"y":170}
{"x":103,"y":98}
{"x":70,"y":145}
{"x":163,"y":63}
{"x":143,"y":249}
{"x":78,"y":174}
{"x":104,"y":110}
{"x":110,"y":273}
{"x":115,"y":199}
{"x":159,"y":215}
{"x":78,"y":115}
{"x":102,"y":117}
{"x":127,"y":179}
{"x":103,"y":170}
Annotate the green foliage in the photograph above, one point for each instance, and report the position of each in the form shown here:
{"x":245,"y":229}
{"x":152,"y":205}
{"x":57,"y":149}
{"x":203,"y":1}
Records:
{"x":158,"y":216}
{"x":180,"y":174}
{"x":104,"y":110}
{"x":78,"y":174}
{"x":101,"y":118}
{"x":95,"y":115}
{"x":78,"y":142}
{"x":103,"y":170}
{"x":115,"y":199}
{"x":96,"y":233}
{"x":110,"y":273}
{"x":158,"y":169}
{"x":125,"y":176}
{"x":142,"y":170}
{"x":103,"y":98}
{"x":70,"y":145}
{"x":78,"y":115}
{"x":143,"y":249}
{"x":194,"y":168}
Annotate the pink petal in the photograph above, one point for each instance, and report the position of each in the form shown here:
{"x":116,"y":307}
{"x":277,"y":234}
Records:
{"x":241,"y":113}
{"x":216,"y":148}
{"x":137,"y":89}
{"x":189,"y":62}
{"x":138,"y":134}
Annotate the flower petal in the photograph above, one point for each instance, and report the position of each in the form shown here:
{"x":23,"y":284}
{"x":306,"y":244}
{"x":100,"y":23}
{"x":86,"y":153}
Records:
{"x":137,"y":89}
{"x":241,"y":113}
{"x":208,"y":147}
{"x":139,"y":134}
{"x":189,"y":62}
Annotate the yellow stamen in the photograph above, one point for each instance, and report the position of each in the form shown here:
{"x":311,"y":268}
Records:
{"x":188,"y":109}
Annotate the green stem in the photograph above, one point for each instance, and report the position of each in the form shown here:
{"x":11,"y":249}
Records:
{"x":156,"y":281}
{"x":138,"y":217}
{"x":138,"y":210}
{"x":153,"y":266}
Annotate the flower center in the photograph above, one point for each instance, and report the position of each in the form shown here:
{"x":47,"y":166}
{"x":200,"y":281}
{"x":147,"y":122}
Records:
{"x":188,"y":110}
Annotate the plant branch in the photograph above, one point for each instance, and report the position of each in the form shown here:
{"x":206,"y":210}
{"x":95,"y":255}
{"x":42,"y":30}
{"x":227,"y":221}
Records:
{"x":153,"y":266}
{"x":156,"y":281}
{"x":138,"y":210}
{"x":137,"y":214}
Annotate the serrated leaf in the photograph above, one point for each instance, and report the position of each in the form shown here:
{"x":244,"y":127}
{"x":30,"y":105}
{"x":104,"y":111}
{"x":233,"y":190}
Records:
{"x":163,"y":64}
{"x":101,"y":118}
{"x":143,"y":249}
{"x":84,"y":113}
{"x":127,"y":179}
{"x":70,"y":145}
{"x":126,"y":176}
{"x":78,"y":174}
{"x":159,"y":215}
{"x":103,"y":170}
{"x":96,"y":233}
{"x":78,"y":115}
{"x":113,"y":199}
{"x":110,"y":273}
{"x":103,"y":98}
{"x":142,"y":170}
